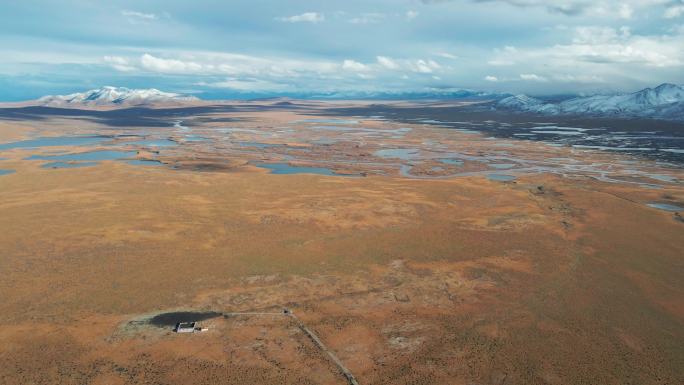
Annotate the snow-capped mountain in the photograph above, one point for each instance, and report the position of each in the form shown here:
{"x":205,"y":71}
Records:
{"x":665,"y":101}
{"x":114,"y":96}
{"x":520,"y":102}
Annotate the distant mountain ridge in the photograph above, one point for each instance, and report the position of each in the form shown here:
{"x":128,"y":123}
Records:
{"x":408,"y":95}
{"x":114,"y":96}
{"x":122,"y":96}
{"x":665,"y":101}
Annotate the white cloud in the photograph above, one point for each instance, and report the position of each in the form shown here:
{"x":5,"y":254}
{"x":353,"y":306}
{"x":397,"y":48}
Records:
{"x":674,"y":11}
{"x":119,"y":63}
{"x":351,"y":65}
{"x":625,"y":11}
{"x":500,"y":62}
{"x":246,"y":84}
{"x":595,"y":46}
{"x":157,"y":64}
{"x":599,"y":35}
{"x":367,"y":18}
{"x":608,"y":45}
{"x":135,"y":17}
{"x":581,"y":78}
{"x":424,"y":66}
{"x":243,"y":66}
{"x":222,"y":63}
{"x":533,"y":77}
{"x":447,"y":55}
{"x":387,"y":63}
{"x":491,"y":78}
{"x":504,"y":56}
{"x":306,"y":17}
{"x":419,"y":66}
{"x":140,"y":15}
{"x":411,"y":14}
{"x":593,"y":57}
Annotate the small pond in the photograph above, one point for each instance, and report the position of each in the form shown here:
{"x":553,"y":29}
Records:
{"x":286,"y":168}
{"x":398,"y":153}
{"x":68,"y":164}
{"x":665,"y":206}
{"x":54,"y":141}
{"x":500,"y":177}
{"x":86,"y":156}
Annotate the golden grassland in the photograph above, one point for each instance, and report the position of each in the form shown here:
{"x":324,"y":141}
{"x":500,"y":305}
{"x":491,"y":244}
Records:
{"x":546,"y":280}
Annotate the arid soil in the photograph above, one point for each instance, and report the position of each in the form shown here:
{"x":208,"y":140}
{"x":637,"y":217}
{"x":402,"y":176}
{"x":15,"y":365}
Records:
{"x":413,"y":271}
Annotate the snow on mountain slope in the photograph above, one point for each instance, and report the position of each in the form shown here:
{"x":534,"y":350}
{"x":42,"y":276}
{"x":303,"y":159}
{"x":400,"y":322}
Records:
{"x":520,"y":102}
{"x":114,"y":96}
{"x":665,"y":101}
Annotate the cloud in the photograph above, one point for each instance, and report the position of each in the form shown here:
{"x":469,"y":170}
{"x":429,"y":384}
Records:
{"x":387,"y":63}
{"x":384,"y":63}
{"x":367,"y":18}
{"x":623,"y":9}
{"x":500,"y":62}
{"x":599,"y":35}
{"x":533,"y":77}
{"x":157,"y":64}
{"x":584,"y":79}
{"x":351,"y":65}
{"x":119,"y":63}
{"x":568,"y":7}
{"x":250,"y":67}
{"x":446,"y":55}
{"x":306,"y":17}
{"x":674,"y":11}
{"x":491,"y":78}
{"x":411,"y":14}
{"x":601,"y":45}
{"x":424,"y":66}
{"x":246,"y":84}
{"x":608,"y":45}
{"x":135,"y":17}
{"x":223,"y":63}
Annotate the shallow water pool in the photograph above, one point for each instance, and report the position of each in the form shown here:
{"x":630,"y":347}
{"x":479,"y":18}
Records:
{"x":54,"y":142}
{"x":286,"y":168}
{"x":68,"y":164}
{"x":84,"y":156}
{"x":501,"y":177}
{"x":665,"y":206}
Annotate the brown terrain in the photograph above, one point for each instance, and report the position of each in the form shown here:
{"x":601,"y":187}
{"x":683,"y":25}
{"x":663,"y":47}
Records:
{"x":411,"y":270}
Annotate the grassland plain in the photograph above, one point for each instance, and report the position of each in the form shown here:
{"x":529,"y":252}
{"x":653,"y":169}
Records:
{"x":409,"y":279}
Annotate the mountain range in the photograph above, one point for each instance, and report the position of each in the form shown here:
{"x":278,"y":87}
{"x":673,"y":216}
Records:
{"x":664,"y":102}
{"x":121,"y":96}
{"x":107,"y":96}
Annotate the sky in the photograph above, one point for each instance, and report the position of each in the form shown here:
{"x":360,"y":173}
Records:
{"x":222,"y":49}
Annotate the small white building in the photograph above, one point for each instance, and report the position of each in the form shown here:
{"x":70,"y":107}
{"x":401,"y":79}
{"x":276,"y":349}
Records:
{"x":185,"y":327}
